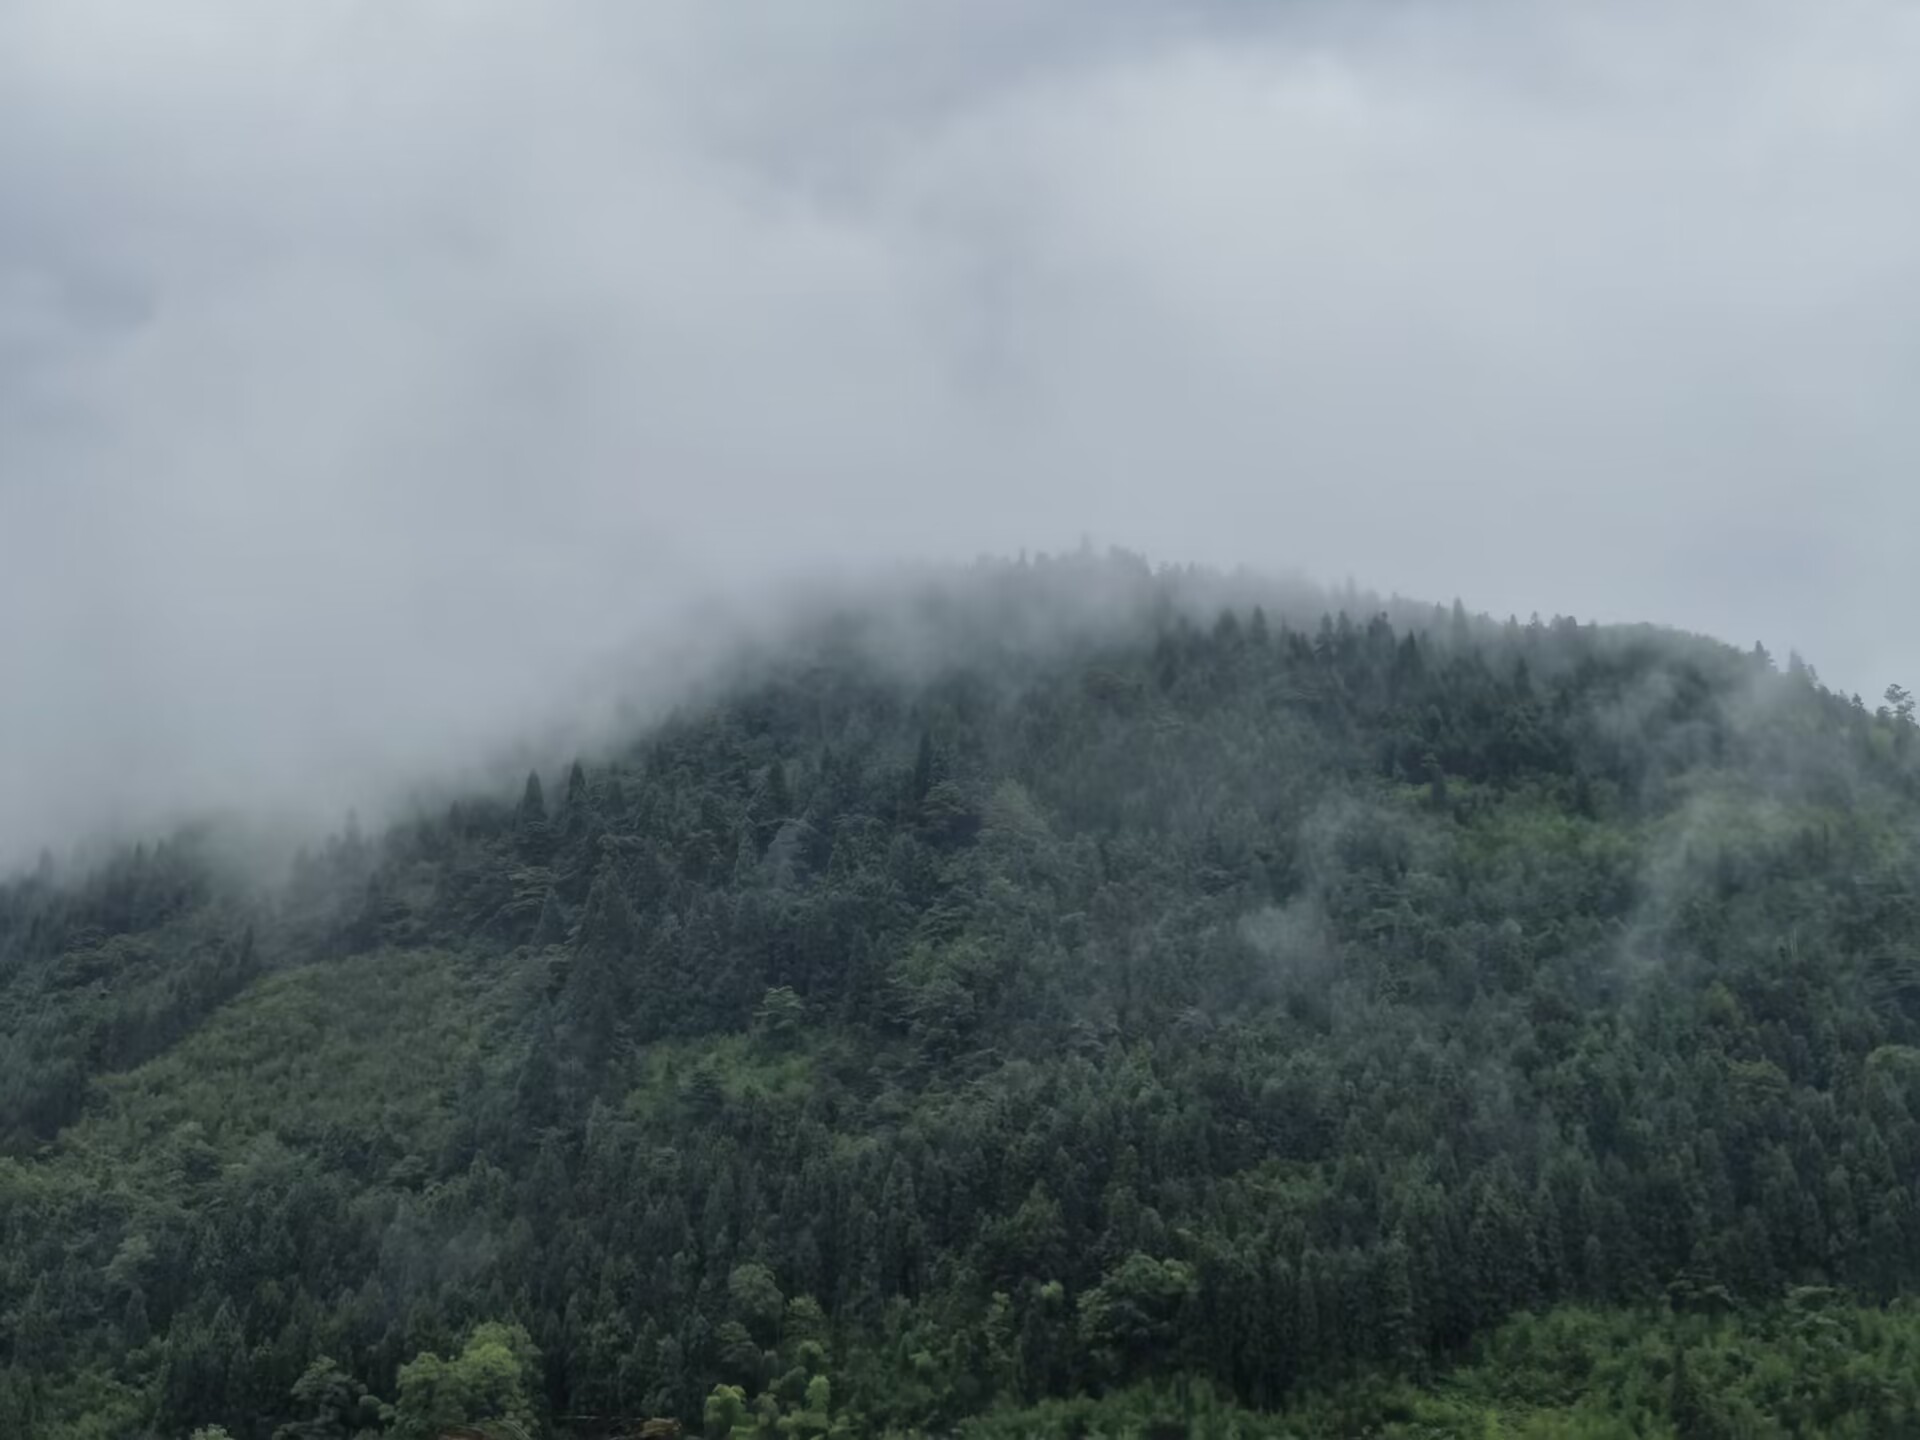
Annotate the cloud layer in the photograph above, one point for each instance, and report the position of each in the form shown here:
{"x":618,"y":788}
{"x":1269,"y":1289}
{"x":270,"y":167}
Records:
{"x":368,"y":371}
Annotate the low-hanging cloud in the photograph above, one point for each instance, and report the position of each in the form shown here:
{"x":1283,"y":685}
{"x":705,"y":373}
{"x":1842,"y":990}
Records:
{"x":369,"y":372}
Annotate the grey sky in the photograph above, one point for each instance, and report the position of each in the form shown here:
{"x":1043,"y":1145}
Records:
{"x":368,"y":368}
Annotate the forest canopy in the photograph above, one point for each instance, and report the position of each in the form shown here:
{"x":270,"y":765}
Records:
{"x":1078,"y":1000}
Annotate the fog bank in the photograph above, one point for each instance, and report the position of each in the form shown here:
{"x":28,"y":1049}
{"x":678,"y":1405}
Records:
{"x":376,"y":380}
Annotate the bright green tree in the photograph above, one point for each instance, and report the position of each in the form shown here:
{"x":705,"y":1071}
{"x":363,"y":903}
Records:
{"x":491,"y":1380}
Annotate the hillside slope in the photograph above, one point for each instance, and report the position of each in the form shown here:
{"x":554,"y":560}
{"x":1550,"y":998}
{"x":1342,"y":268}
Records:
{"x":1252,"y":1005}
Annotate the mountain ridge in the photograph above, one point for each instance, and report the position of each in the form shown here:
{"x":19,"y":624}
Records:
{"x":1196,"y":1000}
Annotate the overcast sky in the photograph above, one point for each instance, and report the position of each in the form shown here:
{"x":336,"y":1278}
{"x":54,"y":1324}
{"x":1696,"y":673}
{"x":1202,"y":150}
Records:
{"x":367,"y":365}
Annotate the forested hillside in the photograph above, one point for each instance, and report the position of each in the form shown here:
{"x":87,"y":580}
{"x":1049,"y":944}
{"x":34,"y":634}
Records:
{"x":1216,"y":1019}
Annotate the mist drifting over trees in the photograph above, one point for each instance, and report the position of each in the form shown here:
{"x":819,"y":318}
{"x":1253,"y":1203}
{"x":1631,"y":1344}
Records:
{"x":606,"y":835}
{"x":1195,"y":998}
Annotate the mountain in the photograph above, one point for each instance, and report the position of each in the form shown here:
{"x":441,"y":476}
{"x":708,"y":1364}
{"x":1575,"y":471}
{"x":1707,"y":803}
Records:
{"x":1073,"y":1000}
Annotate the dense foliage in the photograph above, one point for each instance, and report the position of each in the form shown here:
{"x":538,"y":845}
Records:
{"x":1250,"y":1013}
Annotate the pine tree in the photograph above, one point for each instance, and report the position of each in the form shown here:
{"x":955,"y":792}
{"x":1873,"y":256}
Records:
{"x":536,"y":1099}
{"x":1399,"y":1328}
{"x":1688,"y":1404}
{"x":533,"y":837}
{"x":596,"y":999}
{"x":533,"y":803}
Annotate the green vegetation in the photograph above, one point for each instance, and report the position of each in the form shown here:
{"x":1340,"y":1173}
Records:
{"x":1388,"y":1023}
{"x":1808,"y":1366}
